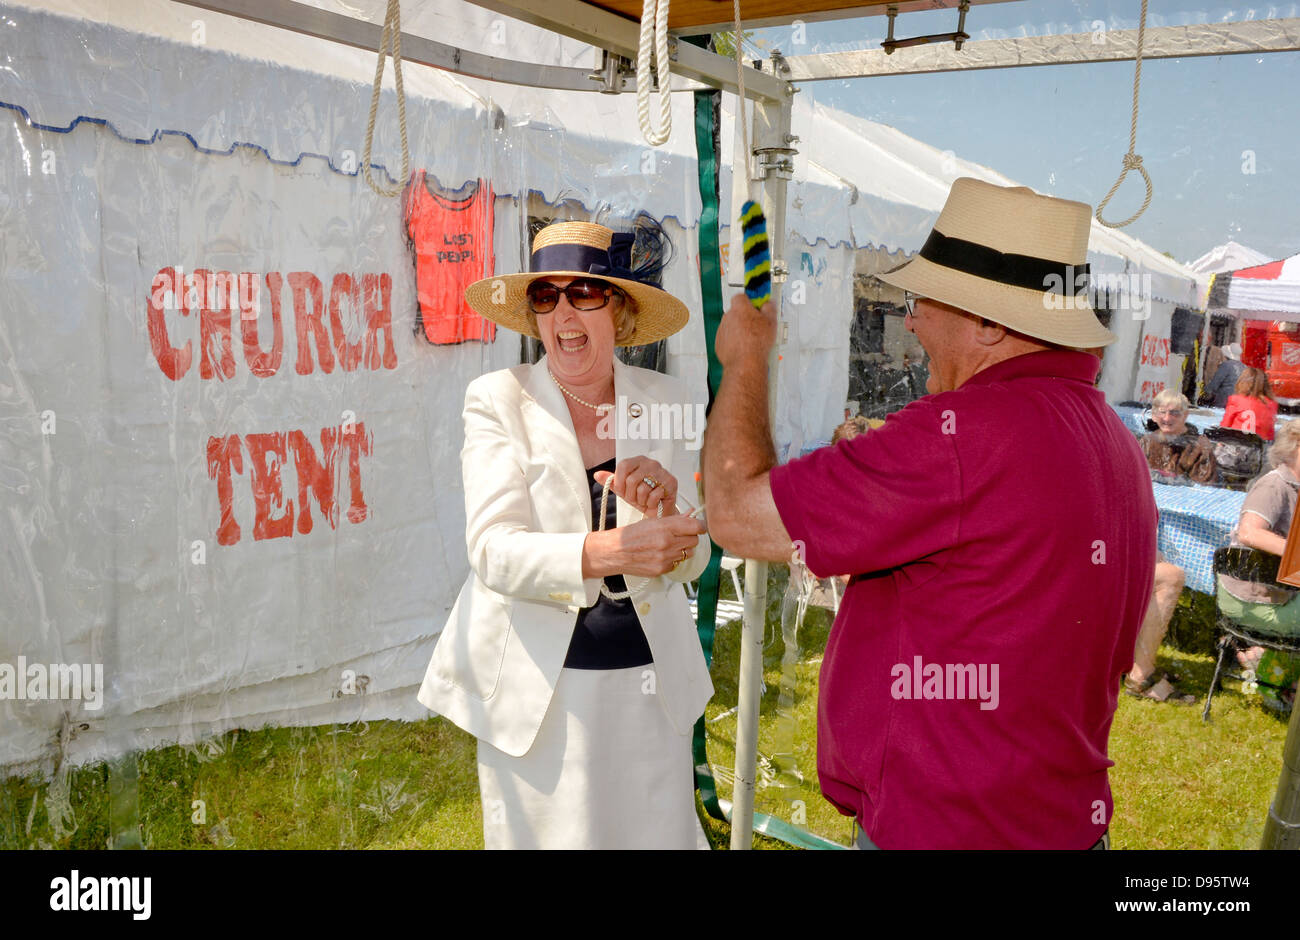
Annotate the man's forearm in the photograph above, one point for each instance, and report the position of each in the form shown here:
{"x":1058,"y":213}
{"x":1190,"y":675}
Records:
{"x":738,"y":438}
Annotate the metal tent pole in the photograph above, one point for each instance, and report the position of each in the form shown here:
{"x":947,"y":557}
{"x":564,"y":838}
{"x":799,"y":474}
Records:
{"x":774,"y":153}
{"x":1282,"y":829}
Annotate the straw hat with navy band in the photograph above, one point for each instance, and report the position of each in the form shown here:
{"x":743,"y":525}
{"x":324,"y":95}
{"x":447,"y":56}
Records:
{"x":579,"y":249}
{"x":1011,"y":256}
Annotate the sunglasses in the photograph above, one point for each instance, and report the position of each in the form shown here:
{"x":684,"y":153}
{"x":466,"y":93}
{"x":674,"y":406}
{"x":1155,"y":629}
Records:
{"x":909,"y":301}
{"x":583,"y":294}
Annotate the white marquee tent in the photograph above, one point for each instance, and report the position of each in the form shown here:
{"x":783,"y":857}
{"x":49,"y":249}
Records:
{"x":113,"y":469}
{"x":1269,"y":291}
{"x":1227,"y":257}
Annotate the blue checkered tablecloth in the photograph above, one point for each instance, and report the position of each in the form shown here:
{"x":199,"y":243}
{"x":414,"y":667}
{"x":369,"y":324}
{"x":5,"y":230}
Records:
{"x":1194,"y":521}
{"x":1200,"y":418}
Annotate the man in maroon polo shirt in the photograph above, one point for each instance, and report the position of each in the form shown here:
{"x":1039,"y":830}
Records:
{"x":1000,"y":533}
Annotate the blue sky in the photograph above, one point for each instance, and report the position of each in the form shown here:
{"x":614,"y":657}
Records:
{"x":1064,"y":129}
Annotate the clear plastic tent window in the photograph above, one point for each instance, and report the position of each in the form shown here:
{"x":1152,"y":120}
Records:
{"x":231,"y":374}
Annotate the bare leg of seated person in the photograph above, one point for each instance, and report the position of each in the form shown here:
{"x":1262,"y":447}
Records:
{"x":1142,"y":678}
{"x":1249,"y":658}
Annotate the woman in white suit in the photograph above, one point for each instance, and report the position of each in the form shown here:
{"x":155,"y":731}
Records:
{"x":582,"y":698}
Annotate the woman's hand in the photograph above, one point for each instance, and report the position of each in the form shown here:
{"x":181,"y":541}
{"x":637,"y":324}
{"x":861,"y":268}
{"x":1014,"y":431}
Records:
{"x":648,"y":549}
{"x":629,"y":483}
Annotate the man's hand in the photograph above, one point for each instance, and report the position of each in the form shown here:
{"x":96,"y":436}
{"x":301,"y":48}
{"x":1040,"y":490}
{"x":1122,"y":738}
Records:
{"x":745,"y":334}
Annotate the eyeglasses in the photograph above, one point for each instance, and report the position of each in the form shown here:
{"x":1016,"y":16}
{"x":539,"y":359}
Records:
{"x":582,"y":293}
{"x":909,"y":301}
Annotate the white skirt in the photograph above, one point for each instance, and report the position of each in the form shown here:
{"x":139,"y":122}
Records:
{"x":607,"y":771}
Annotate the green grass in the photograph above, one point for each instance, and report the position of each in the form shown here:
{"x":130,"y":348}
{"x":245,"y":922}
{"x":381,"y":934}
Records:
{"x":1178,"y":783}
{"x":384,"y":784}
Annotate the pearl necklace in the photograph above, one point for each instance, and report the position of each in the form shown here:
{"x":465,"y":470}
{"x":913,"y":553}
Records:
{"x":599,"y":409}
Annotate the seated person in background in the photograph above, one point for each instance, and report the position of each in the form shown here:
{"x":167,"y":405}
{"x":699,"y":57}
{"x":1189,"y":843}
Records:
{"x":915,"y":367}
{"x":1175,"y":450}
{"x":1264,"y":608}
{"x":1164,"y":450}
{"x":1252,"y":407}
{"x":850,"y":429}
{"x":1224,"y":377}
{"x":1143,"y":680}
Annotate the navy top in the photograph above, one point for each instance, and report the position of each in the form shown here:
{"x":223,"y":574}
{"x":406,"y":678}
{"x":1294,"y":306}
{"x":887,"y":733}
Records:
{"x":1225,"y":379}
{"x":609,"y":635}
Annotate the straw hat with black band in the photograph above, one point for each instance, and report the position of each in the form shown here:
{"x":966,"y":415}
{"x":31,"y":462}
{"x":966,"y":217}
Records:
{"x":579,"y":249}
{"x":1011,"y":256}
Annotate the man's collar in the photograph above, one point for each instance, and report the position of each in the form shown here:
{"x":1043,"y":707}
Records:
{"x":1049,"y":363}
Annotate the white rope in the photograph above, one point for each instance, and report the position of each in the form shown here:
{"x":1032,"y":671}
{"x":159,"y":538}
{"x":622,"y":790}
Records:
{"x":654,"y":25}
{"x":740,"y":82}
{"x":604,"y":498}
{"x":1131,"y":160}
{"x":390,"y":37}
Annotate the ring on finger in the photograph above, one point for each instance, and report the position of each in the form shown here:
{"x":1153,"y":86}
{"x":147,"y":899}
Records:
{"x":650,"y":482}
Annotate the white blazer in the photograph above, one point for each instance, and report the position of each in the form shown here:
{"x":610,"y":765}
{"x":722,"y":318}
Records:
{"x":527,"y":512}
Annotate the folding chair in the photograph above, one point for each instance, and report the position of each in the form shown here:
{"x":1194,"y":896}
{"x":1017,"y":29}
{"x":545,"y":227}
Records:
{"x":731,"y":563}
{"x":728,"y":611}
{"x":1245,"y":564}
{"x":1249,"y":448}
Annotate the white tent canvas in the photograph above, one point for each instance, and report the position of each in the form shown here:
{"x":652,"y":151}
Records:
{"x":1227,"y":257}
{"x":134,"y":147}
{"x":1264,"y":292}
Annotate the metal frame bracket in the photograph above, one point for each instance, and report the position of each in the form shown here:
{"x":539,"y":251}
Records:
{"x":956,"y":38}
{"x":775,"y":162}
{"x":614,"y":73}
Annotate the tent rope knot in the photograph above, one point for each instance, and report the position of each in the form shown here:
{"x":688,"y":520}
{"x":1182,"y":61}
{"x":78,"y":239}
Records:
{"x":391,"y":37}
{"x":1131,"y":160}
{"x":654,"y":28}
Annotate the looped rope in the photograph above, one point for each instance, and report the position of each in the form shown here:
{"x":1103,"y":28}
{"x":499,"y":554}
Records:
{"x":740,"y":90}
{"x":654,"y":25}
{"x":604,"y":499}
{"x":390,"y":37}
{"x":1131,"y":160}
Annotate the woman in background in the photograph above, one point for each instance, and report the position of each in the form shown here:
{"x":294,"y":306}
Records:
{"x":1268,"y":608}
{"x":1226,"y":369}
{"x":1252,"y":407}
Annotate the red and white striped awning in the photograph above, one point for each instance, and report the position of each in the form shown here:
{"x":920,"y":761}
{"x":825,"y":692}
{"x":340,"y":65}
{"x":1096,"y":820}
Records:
{"x":1265,"y":292}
